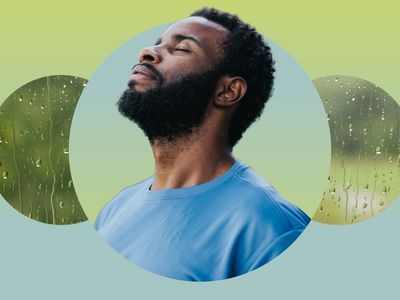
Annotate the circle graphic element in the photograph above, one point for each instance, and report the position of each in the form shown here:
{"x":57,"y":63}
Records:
{"x":364,"y":122}
{"x":289,"y":145}
{"x":35,"y":122}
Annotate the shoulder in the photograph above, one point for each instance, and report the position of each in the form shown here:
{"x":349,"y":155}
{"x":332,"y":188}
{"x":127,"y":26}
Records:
{"x":264,"y":223}
{"x":264,"y":202}
{"x":120,"y":201}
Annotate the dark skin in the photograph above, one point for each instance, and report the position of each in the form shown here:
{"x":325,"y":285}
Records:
{"x":192,"y":46}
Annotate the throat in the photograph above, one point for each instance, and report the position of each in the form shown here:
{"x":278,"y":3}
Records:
{"x":187,"y":163}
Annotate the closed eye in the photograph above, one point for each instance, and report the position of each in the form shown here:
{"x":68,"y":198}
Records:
{"x":181,"y":49}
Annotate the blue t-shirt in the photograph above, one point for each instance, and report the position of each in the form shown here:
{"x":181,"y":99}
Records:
{"x":225,"y":227}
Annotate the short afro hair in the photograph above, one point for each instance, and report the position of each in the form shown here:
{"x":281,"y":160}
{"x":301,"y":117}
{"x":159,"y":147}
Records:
{"x":247,"y":55}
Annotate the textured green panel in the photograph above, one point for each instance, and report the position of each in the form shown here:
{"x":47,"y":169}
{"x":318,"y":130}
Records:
{"x":365,"y":167}
{"x":35,"y":123}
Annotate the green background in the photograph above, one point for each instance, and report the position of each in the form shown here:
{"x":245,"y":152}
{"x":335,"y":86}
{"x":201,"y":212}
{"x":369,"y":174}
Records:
{"x":42,"y":38}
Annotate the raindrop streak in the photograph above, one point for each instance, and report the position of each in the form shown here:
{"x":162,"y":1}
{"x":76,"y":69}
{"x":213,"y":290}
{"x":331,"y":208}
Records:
{"x":53,"y":211}
{"x":362,"y":120}
{"x":34,"y":139}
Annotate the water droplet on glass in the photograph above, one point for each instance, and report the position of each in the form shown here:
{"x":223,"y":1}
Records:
{"x":5,"y":174}
{"x":38,"y":162}
{"x":385,"y":190}
{"x":66,"y":151}
{"x":61,"y":204}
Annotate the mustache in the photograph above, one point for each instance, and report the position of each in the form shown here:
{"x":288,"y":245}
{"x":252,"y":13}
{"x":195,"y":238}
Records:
{"x":153,"y":71}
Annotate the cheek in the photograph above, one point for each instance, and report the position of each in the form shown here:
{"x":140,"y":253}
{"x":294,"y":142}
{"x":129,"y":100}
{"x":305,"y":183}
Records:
{"x":181,"y":69}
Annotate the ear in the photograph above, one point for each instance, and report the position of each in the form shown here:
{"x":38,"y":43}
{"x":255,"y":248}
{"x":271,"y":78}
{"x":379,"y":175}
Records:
{"x":230,"y":90}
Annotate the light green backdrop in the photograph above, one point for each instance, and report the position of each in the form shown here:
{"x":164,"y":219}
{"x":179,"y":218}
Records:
{"x":45,"y":37}
{"x":41,"y":38}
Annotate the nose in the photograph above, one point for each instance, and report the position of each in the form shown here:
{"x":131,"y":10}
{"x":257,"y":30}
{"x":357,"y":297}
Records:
{"x":149,"y":55}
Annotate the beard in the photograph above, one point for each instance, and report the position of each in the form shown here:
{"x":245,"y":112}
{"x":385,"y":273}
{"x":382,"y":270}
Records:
{"x":171,"y":111}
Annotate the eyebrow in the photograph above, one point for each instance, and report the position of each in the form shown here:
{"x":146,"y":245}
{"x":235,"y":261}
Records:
{"x":181,"y":37}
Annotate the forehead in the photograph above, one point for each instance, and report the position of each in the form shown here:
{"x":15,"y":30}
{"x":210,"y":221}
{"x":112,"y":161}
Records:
{"x":209,"y":34}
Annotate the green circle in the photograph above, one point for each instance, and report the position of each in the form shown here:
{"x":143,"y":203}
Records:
{"x":364,"y":122}
{"x":35,"y":122}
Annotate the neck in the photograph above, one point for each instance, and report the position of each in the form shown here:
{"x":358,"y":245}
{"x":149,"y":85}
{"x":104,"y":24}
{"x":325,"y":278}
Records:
{"x":190,"y":160}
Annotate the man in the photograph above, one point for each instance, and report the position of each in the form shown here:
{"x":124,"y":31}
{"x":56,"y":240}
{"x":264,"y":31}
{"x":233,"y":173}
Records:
{"x":204,"y":215}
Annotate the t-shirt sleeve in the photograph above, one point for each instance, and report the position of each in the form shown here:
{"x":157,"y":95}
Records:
{"x":107,"y":211}
{"x":115,"y":204}
{"x":100,"y":219}
{"x":269,"y":252}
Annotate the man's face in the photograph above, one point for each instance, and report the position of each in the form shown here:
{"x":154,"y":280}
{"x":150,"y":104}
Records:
{"x":170,"y":90}
{"x":190,"y":46}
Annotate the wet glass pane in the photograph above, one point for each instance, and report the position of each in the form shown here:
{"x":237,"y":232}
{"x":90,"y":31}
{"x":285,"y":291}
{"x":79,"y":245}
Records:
{"x":365,"y":167}
{"x":34,"y":154}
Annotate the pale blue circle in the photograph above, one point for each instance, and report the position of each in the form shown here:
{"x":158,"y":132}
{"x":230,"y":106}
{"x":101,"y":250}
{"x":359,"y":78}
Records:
{"x":289,"y":141}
